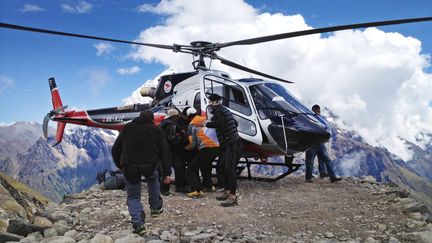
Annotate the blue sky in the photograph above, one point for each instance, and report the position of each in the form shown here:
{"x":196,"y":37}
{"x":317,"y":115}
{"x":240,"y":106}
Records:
{"x":89,"y":80}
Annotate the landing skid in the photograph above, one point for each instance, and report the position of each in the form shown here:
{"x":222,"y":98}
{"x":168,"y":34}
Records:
{"x":288,"y":164}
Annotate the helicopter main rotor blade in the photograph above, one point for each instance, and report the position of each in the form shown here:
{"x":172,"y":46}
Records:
{"x":246,"y":69}
{"x":53,"y":32}
{"x":267,"y":38}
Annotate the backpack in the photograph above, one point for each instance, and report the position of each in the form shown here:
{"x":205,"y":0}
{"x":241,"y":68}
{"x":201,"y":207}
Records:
{"x":111,"y":180}
{"x":174,"y":136}
{"x":171,"y":133}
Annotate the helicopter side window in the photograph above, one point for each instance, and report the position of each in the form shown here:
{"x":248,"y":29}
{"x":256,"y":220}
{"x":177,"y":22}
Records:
{"x":236,"y":99}
{"x":234,"y":96}
{"x":197,"y":102}
{"x":212,"y":87}
{"x":245,"y":126}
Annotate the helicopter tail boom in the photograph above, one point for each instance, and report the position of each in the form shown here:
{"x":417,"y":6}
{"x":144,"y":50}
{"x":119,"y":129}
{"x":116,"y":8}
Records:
{"x":114,"y":118}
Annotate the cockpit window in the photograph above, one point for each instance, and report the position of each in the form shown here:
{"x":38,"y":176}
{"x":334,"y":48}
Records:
{"x":273,"y":99}
{"x":234,"y":96}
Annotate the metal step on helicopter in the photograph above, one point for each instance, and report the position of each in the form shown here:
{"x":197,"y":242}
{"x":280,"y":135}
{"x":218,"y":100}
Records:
{"x":271,"y":121}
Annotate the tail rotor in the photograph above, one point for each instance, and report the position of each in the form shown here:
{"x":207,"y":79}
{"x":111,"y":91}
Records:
{"x":49,"y":116}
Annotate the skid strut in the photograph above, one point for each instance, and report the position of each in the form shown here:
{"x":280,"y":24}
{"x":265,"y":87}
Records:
{"x":290,"y":169}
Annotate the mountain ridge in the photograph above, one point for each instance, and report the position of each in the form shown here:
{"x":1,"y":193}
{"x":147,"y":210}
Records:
{"x":67,"y":168}
{"x":72,"y":165}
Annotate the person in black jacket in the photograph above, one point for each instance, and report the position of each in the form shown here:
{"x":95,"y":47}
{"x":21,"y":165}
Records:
{"x":139,"y":150}
{"x":177,"y":139}
{"x":231,"y":147}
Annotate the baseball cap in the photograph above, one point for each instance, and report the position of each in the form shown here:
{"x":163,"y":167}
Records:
{"x":172,"y":112}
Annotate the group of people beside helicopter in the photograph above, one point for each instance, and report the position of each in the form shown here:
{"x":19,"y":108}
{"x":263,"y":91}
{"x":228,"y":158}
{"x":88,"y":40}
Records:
{"x":195,"y":143}
{"x":143,"y":149}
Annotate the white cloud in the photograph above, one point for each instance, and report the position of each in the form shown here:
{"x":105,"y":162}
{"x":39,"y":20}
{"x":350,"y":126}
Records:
{"x":146,"y":8}
{"x":80,"y":8}
{"x":136,"y":95}
{"x":97,"y":79}
{"x":31,"y":8}
{"x":5,"y":84}
{"x":373,"y":80}
{"x":128,"y":71}
{"x":350,"y":165}
{"x":103,"y":48}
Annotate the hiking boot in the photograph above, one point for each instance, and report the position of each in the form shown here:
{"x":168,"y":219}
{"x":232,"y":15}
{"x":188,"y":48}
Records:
{"x":165,"y":193}
{"x":223,"y":196}
{"x":335,"y":179}
{"x":156,"y":212}
{"x":231,"y":201}
{"x":309,"y":180}
{"x":141,"y":231}
{"x":220,"y":189}
{"x":209,"y":189}
{"x":323,"y":175}
{"x":195,"y":194}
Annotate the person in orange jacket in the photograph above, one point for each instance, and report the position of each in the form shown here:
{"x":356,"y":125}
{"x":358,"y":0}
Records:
{"x":206,"y":141}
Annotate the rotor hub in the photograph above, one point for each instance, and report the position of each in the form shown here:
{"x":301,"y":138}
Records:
{"x":200,"y":43}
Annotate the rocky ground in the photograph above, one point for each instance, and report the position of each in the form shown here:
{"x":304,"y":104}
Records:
{"x":290,"y":210}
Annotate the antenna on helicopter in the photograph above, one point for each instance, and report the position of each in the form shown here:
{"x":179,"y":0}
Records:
{"x":246,"y":66}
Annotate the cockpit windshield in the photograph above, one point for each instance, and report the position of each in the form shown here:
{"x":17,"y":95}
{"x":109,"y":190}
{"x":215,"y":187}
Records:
{"x":273,"y":100}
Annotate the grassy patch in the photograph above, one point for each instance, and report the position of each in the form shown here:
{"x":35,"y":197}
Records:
{"x":3,"y":226}
{"x":24,"y":189}
{"x":11,"y":206}
{"x":420,"y":188}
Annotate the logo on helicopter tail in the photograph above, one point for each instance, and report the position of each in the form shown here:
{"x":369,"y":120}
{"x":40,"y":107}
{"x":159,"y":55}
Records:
{"x":167,"y":86}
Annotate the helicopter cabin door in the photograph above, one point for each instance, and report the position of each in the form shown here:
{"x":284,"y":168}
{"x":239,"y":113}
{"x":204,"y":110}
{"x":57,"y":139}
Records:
{"x":235,"y":98}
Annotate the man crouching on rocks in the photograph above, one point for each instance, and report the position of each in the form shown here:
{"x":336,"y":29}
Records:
{"x":139,"y":150}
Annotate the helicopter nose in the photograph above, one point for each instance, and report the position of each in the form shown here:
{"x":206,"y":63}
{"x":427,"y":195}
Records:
{"x":299,"y":133}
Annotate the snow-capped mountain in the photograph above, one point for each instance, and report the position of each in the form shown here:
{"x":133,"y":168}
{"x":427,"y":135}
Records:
{"x":354,"y":157}
{"x":69,"y":167}
{"x":72,"y":165}
{"x":18,"y":137}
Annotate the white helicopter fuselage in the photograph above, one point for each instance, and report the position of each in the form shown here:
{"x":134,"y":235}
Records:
{"x":270,"y":120}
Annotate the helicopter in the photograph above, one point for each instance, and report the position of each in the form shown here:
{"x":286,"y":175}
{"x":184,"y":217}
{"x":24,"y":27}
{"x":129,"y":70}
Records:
{"x":271,"y":121}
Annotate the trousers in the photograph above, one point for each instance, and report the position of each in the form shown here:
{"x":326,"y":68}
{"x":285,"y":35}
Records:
{"x":133,"y":199}
{"x":229,"y":157}
{"x":323,"y":156}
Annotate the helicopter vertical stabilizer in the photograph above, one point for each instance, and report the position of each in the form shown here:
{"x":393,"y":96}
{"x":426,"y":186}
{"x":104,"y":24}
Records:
{"x":58,"y":109}
{"x":55,"y":95}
